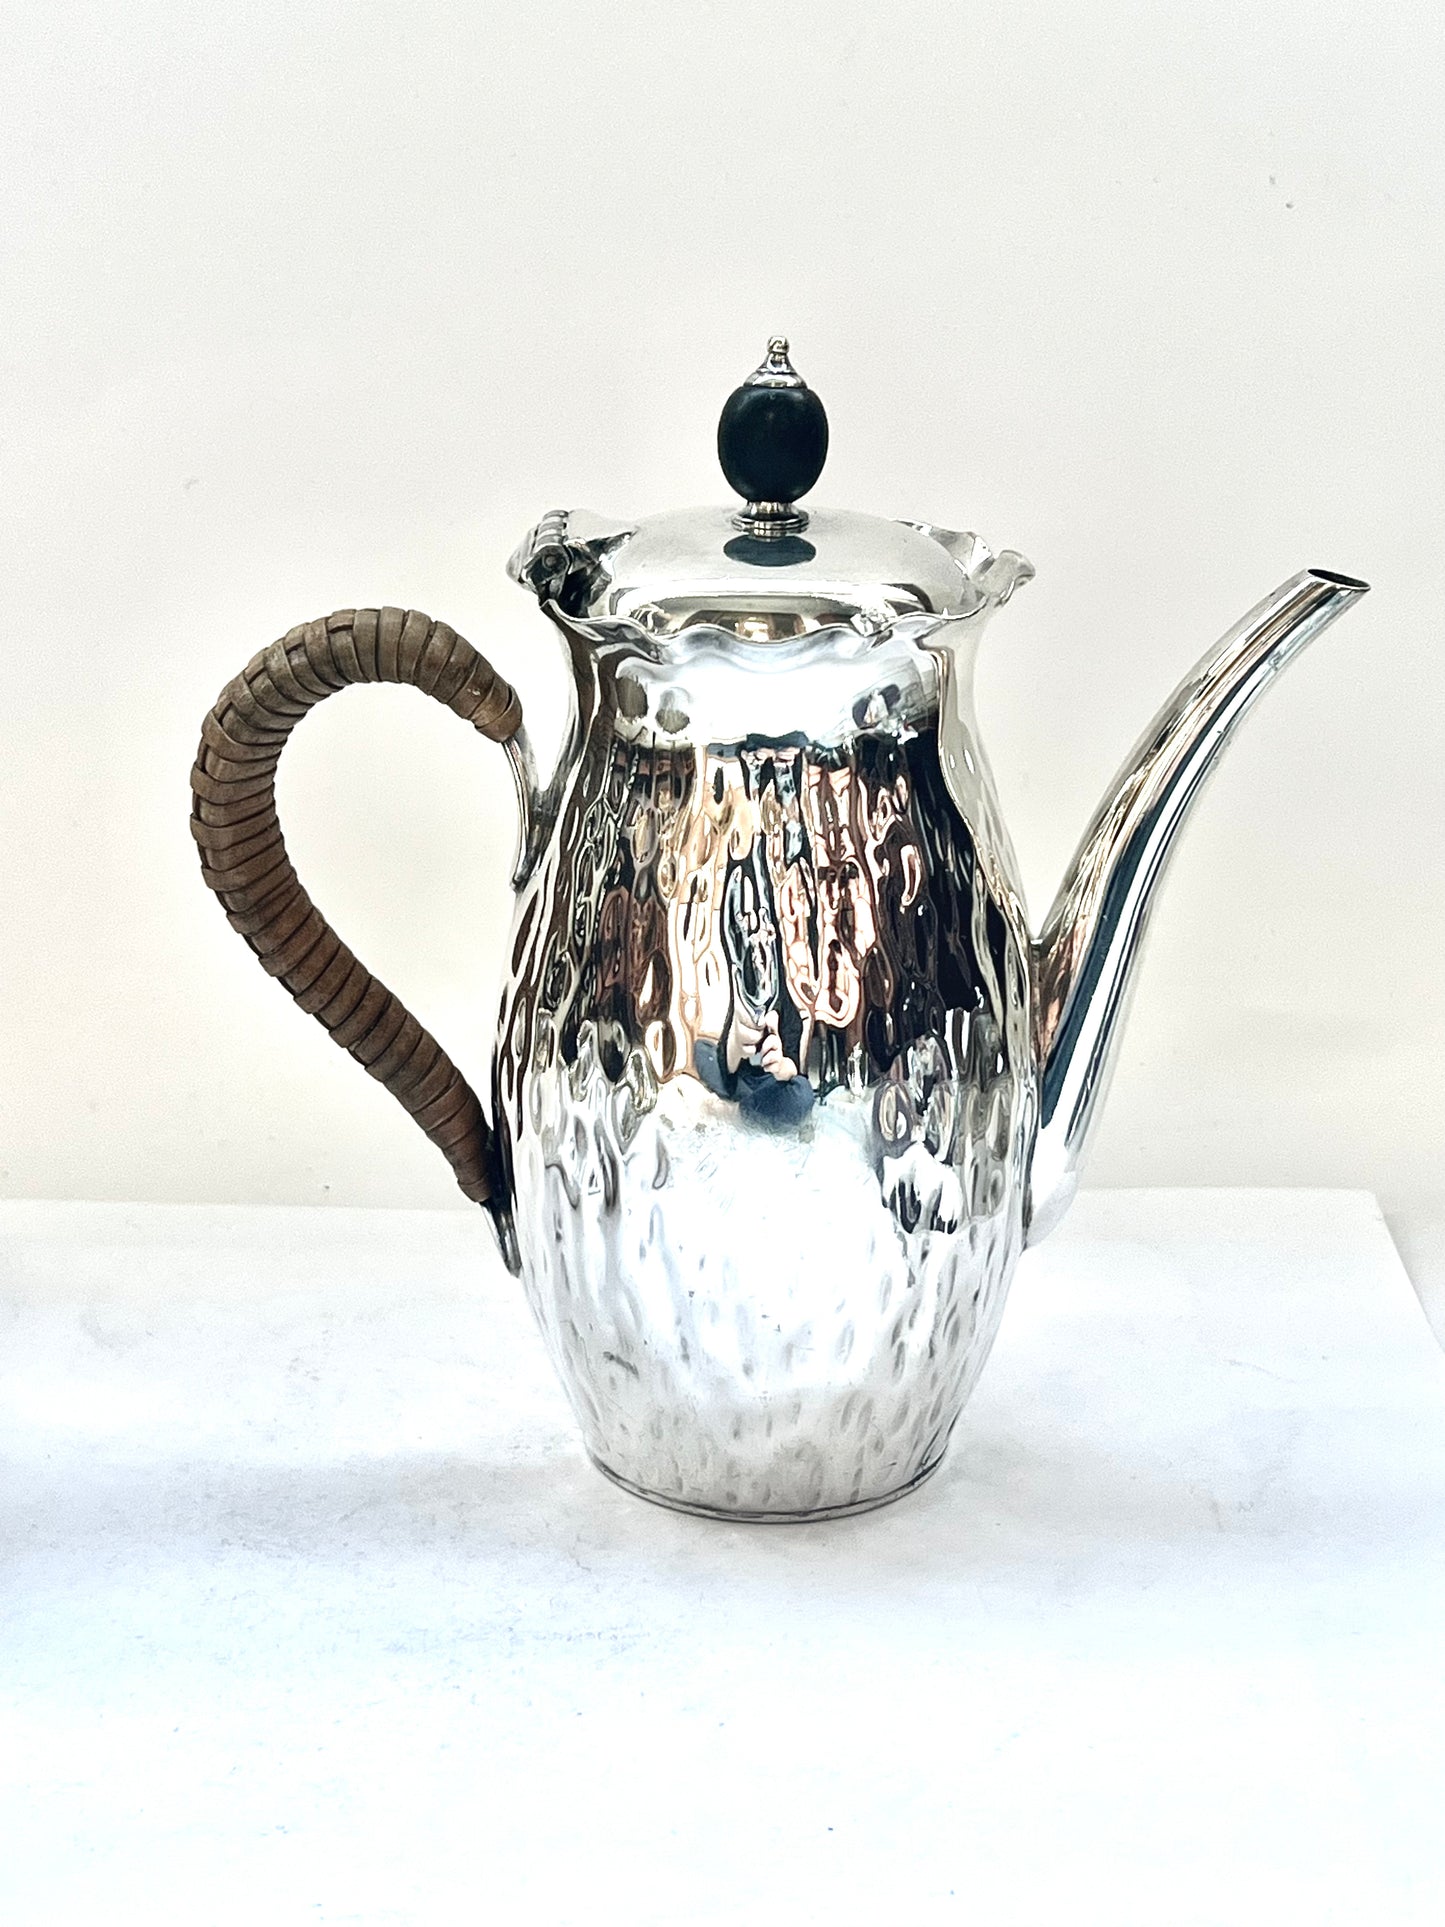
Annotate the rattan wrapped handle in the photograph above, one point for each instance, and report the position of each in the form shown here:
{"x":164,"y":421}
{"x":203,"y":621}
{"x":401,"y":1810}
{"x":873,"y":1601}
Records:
{"x":244,"y":860}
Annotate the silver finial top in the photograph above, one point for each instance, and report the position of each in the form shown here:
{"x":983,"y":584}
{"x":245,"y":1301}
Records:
{"x":775,"y":370}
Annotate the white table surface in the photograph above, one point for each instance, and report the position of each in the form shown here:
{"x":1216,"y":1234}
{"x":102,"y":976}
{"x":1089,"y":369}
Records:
{"x":314,"y":1612}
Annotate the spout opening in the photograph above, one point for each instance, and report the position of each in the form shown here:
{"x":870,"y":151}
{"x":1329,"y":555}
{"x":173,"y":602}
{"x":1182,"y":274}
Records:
{"x":1340,"y":581}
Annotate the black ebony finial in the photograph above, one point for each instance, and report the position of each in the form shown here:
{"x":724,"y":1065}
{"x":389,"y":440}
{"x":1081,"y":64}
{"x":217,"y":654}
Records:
{"x":772,"y":441}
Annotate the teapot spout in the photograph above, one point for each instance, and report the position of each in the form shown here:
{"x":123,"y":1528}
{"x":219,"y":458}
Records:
{"x":1085,"y":960}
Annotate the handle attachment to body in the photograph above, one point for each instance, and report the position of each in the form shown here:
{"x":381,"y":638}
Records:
{"x":244,"y":860}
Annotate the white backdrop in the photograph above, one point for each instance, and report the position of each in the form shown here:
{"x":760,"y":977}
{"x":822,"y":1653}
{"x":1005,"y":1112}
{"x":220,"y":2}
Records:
{"x":314,"y":305}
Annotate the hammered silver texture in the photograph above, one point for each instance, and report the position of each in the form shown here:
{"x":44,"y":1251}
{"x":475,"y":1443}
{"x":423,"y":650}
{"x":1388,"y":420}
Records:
{"x":782,"y":1084}
{"x":765,"y":1088}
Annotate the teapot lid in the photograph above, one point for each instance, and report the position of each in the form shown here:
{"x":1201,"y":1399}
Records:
{"x":770,"y":570}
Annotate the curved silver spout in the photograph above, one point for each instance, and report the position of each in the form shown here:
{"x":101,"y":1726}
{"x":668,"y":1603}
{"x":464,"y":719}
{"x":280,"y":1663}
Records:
{"x":1084,"y":961}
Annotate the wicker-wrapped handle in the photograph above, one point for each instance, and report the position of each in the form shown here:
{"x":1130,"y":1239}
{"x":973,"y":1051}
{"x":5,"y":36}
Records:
{"x":244,"y":860}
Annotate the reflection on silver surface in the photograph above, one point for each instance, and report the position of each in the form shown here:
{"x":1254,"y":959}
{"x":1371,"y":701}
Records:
{"x":773,"y":1058}
{"x":690,"y":568}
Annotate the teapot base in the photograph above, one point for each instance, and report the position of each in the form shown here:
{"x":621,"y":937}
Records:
{"x":746,"y":1516}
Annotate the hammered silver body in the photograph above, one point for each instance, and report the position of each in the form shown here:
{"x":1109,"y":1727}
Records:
{"x":765,"y":1089}
{"x":782,"y":1084}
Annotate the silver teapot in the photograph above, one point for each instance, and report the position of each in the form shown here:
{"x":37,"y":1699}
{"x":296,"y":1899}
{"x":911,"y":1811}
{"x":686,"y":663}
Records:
{"x":783,"y":1083}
